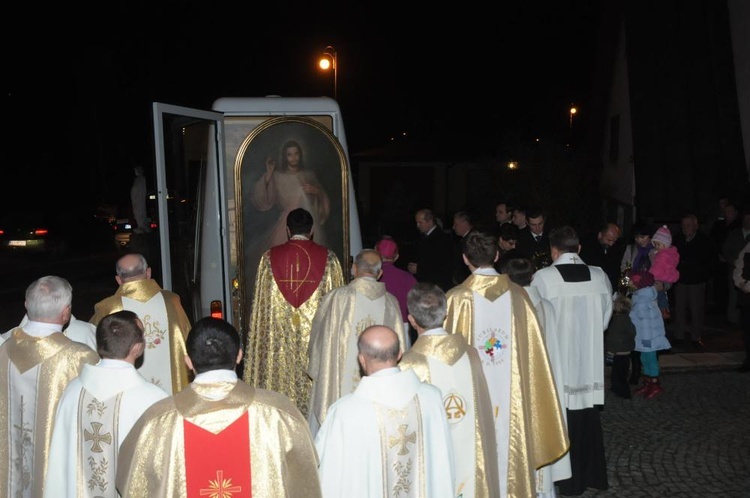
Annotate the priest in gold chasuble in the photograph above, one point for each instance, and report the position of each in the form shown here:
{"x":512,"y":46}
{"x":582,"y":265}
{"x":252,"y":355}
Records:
{"x":449,"y":363}
{"x":497,"y":317}
{"x":218,"y":436}
{"x":37,"y":363}
{"x":166,"y":325}
{"x":291,"y":281}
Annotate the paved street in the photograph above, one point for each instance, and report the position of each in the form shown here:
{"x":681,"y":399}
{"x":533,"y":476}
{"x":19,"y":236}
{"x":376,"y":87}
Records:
{"x":692,"y":441}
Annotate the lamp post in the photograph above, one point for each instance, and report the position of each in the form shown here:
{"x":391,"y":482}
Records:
{"x":328,"y":60}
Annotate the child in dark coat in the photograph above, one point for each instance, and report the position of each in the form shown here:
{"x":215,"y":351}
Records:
{"x":619,"y":340}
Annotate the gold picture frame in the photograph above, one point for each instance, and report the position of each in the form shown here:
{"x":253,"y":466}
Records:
{"x":263,"y":204}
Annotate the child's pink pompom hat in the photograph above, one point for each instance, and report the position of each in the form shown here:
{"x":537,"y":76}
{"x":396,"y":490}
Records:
{"x":663,"y":235}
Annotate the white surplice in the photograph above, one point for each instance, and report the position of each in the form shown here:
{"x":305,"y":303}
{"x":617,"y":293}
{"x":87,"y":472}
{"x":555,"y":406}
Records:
{"x":77,"y":330}
{"x":580,"y":329}
{"x":390,"y":437}
{"x":95,"y":413}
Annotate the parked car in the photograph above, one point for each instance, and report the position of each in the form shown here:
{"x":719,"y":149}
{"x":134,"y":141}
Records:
{"x":56,"y":234}
{"x":123,"y":231}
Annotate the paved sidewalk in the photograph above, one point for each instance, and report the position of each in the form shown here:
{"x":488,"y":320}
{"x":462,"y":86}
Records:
{"x":701,"y":361}
{"x":694,"y":439}
{"x":722,"y":348}
{"x":691,"y":441}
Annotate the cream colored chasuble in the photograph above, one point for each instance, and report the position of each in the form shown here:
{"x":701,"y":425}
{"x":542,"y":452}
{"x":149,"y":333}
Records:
{"x":458,"y":400}
{"x":157,"y":363}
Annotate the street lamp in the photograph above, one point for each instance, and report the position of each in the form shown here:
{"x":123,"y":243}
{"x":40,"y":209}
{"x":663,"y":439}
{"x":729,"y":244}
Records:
{"x":327,"y":61}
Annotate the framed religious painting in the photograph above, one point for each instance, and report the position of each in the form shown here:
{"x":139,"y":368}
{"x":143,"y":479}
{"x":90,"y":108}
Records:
{"x":283,"y":164}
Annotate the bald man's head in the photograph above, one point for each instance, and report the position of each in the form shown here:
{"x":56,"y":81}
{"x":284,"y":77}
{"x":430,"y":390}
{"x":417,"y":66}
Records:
{"x":609,"y":234}
{"x":131,"y":267}
{"x":379,"y":348}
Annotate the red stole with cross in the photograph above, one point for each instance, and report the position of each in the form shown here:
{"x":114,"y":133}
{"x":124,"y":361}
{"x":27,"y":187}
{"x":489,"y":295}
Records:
{"x":218,"y":464}
{"x":298,"y":268}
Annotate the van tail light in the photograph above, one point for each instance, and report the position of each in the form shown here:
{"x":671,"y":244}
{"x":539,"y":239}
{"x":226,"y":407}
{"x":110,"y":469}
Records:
{"x":217,"y":310}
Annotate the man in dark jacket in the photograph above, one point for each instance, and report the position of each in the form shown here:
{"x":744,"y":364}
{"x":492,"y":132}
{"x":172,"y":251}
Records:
{"x":605,"y":249}
{"x":434,"y":258}
{"x":698,"y":258}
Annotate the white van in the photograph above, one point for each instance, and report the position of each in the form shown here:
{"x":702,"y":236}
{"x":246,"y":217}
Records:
{"x":216,"y":223}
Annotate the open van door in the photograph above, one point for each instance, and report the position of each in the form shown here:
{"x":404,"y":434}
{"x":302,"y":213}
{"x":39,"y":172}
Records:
{"x":189,"y":207}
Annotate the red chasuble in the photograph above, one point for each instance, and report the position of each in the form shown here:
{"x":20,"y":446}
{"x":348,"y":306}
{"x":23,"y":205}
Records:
{"x":218,"y":465}
{"x":298,"y":267}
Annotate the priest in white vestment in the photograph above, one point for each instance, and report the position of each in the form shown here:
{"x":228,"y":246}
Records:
{"x":390,"y":437}
{"x":96,"y":412}
{"x":449,"y":363}
{"x":36,"y":364}
{"x":219,"y":436}
{"x":521,"y":271}
{"x":581,"y":296}
{"x":498,"y":319}
{"x":165,"y":322}
{"x":75,"y":330}
{"x":341,"y":316}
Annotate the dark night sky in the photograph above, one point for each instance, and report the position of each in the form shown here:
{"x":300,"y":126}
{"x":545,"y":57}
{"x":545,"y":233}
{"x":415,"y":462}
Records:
{"x":78,"y":87}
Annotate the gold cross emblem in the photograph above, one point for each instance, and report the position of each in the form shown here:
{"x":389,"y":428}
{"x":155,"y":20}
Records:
{"x":220,"y":488}
{"x":96,"y":437}
{"x":402,"y":439}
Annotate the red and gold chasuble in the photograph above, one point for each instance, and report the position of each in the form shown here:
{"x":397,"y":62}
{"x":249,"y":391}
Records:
{"x":218,"y":465}
{"x":298,"y":267}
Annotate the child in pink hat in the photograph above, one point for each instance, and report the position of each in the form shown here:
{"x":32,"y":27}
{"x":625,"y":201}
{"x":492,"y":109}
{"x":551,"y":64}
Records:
{"x":664,"y":266}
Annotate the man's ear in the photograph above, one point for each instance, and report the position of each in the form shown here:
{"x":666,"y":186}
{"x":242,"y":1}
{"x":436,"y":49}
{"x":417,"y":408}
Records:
{"x":189,"y":363}
{"x":148,"y":272}
{"x":380,"y":274}
{"x":239,"y":357}
{"x":137,"y":349}
{"x":412,"y":321}
{"x":579,"y":249}
{"x":118,"y":280}
{"x":288,"y":233}
{"x":466,"y":260}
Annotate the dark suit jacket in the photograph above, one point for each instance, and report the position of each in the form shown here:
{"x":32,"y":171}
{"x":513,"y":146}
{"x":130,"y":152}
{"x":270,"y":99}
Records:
{"x":592,"y":253}
{"x":435,"y":261}
{"x":460,"y":270}
{"x":537,"y":252}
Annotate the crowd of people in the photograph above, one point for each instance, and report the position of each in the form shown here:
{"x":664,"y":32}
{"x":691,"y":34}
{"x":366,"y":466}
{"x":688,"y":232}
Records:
{"x":475,"y":369}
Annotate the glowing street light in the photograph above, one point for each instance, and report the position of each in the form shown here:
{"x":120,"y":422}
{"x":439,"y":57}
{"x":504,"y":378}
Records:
{"x":328,"y":60}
